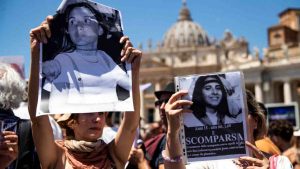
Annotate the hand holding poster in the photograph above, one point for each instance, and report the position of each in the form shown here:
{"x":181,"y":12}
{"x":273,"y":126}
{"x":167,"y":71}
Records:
{"x":81,"y":63}
{"x":216,"y":128}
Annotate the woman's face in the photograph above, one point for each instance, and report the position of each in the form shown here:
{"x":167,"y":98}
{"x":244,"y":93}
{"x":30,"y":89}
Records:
{"x":89,"y":126}
{"x":212,"y":93}
{"x":83,"y":27}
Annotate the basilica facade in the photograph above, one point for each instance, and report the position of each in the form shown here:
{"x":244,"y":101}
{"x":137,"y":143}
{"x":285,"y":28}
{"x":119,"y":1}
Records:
{"x":272,"y":75}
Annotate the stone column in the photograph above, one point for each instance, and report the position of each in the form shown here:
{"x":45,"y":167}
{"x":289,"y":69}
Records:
{"x":157,"y":86}
{"x":258,"y":92}
{"x":143,"y":110}
{"x":287,"y":92}
{"x":156,"y":111}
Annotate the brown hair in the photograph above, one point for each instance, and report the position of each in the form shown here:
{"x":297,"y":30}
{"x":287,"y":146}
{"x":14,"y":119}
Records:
{"x":65,"y":125}
{"x":281,"y":128}
{"x":255,"y":111}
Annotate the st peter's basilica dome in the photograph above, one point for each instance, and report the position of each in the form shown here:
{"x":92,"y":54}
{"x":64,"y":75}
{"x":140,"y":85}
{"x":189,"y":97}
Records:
{"x":185,"y":32}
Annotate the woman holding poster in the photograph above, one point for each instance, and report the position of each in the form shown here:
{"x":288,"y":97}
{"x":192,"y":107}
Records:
{"x":213,"y":102}
{"x":83,"y":149}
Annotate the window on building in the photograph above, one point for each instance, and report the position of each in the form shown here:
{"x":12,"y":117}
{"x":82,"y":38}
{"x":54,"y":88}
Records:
{"x":204,"y":58}
{"x":278,"y":95}
{"x":277,"y":37}
{"x":200,"y":40}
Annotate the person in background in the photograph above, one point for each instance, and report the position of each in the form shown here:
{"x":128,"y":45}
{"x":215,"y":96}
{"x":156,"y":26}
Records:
{"x":138,"y":158}
{"x":109,"y":131}
{"x":281,"y":133}
{"x":293,"y":153}
{"x":156,"y":145}
{"x":152,"y":130}
{"x":17,"y":149}
{"x":173,"y":158}
{"x":265,"y":144}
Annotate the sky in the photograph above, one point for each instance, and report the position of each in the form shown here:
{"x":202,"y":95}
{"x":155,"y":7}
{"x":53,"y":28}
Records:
{"x":149,"y":19}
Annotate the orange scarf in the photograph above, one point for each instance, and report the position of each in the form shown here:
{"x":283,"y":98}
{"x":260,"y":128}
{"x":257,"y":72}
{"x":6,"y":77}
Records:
{"x":87,"y":155}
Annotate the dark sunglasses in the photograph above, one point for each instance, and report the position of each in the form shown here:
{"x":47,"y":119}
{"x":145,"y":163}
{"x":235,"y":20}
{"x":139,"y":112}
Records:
{"x":161,"y":101}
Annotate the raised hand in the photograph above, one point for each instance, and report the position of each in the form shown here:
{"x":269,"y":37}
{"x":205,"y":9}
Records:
{"x":41,"y":33}
{"x":8,"y":148}
{"x":137,"y":155}
{"x":174,"y":108}
{"x":129,"y":54}
{"x":259,"y":161}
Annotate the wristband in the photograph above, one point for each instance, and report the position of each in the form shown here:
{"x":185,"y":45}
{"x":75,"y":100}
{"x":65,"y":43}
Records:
{"x":177,"y":159}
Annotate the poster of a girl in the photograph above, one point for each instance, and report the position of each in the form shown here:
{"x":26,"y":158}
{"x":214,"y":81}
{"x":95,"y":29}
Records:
{"x":81,"y":73}
{"x":212,"y":103}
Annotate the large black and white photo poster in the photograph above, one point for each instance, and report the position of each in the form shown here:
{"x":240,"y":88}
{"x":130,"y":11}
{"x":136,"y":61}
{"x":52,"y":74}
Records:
{"x":81,"y":69}
{"x":217,"y":127}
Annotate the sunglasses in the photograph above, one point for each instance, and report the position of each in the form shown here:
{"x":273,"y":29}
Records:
{"x":161,"y":101}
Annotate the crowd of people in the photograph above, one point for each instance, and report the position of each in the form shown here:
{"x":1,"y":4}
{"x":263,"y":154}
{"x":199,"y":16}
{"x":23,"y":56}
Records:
{"x":89,"y":140}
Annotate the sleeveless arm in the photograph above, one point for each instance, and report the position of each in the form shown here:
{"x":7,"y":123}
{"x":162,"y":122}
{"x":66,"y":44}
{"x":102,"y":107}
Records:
{"x":41,"y":128}
{"x":130,"y":122}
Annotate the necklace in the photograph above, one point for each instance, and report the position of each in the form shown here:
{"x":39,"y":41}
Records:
{"x":88,"y":55}
{"x":86,"y":49}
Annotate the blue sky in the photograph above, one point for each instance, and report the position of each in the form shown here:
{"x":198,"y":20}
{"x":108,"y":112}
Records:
{"x":145,"y":19}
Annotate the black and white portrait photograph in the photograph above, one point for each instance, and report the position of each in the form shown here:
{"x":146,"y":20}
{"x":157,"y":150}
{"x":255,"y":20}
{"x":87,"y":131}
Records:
{"x":81,"y":62}
{"x":216,"y":126}
{"x":216,"y":101}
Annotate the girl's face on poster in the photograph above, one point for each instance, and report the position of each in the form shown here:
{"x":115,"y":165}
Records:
{"x":212,"y":93}
{"x":83,"y":28}
{"x":89,"y":126}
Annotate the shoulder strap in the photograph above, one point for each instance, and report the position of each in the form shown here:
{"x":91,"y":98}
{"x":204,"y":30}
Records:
{"x":24,"y":133}
{"x":27,"y":157}
{"x":77,"y":79}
